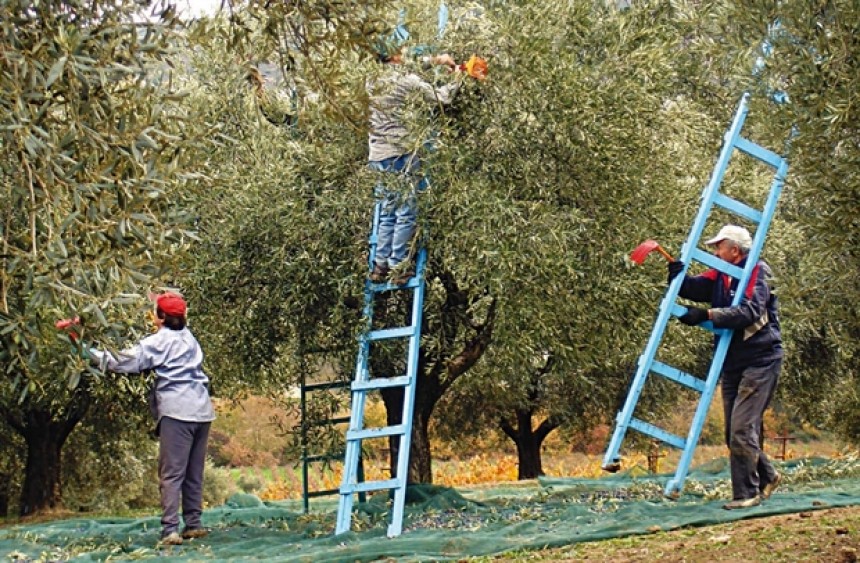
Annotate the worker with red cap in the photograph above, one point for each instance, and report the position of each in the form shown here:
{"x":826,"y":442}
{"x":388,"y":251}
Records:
{"x":181,"y":405}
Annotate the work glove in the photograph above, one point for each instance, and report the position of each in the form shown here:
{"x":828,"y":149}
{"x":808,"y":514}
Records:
{"x":694,"y":316}
{"x":674,"y":269}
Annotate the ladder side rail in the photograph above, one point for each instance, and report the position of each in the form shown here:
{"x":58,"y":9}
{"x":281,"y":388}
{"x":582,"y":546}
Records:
{"x":352,"y":456}
{"x":304,"y":444}
{"x":396,"y":525}
{"x":764,"y":227}
{"x":361,"y":371}
{"x":373,"y":239}
{"x":710,"y":192}
{"x":350,"y":464}
{"x":674,"y":486}
{"x":643,"y":368}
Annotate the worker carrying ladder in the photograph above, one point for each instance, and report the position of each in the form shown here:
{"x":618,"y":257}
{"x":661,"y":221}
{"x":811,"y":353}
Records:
{"x":365,"y":382}
{"x":712,"y":200}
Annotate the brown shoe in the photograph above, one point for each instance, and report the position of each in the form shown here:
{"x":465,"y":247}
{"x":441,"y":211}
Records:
{"x":742,"y":503}
{"x":193,"y":533}
{"x":771,"y":487}
{"x":403,"y":278}
{"x":379,"y":273}
{"x":171,"y":539}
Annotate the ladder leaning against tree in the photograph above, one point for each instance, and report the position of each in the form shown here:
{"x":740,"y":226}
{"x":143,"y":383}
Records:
{"x":365,"y":382}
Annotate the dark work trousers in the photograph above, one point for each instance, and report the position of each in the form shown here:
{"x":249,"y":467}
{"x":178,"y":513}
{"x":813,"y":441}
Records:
{"x":181,"y":457}
{"x":746,"y":395}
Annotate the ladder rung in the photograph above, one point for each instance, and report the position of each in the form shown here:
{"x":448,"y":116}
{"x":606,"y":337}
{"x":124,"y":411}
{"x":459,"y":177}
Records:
{"x":328,"y":421}
{"x":659,"y":433}
{"x":381,"y":383}
{"x":388,"y":286}
{"x":387,"y":333}
{"x":368,"y":433}
{"x":326,"y":385}
{"x":759,"y":152}
{"x":712,"y":261}
{"x":738,"y":208}
{"x":369,"y":486}
{"x":324,"y":457}
{"x":324,"y":493}
{"x":678,"y":376}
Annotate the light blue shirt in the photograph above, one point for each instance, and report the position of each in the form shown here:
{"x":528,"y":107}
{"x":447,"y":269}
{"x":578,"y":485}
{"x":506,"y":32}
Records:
{"x":181,"y":386}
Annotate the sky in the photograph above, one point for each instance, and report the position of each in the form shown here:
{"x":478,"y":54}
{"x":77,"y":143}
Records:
{"x":195,"y":8}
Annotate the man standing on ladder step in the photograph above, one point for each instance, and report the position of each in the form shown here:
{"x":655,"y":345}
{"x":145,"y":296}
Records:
{"x":753,"y":362}
{"x":393,"y":152}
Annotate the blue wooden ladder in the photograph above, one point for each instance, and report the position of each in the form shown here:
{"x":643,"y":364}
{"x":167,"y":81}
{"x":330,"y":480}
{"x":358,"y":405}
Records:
{"x":711,"y":198}
{"x":364,"y":383}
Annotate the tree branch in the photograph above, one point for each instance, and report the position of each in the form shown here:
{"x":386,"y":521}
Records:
{"x":544,"y":428}
{"x":509,"y":430}
{"x":473,"y":350}
{"x":16,"y":424}
{"x":4,"y":278}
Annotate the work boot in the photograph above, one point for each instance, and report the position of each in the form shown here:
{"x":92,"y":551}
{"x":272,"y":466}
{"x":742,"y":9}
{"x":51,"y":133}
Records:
{"x":771,"y":487}
{"x":170,"y":538}
{"x":379,"y":273}
{"x":193,"y":533}
{"x":742,"y":503}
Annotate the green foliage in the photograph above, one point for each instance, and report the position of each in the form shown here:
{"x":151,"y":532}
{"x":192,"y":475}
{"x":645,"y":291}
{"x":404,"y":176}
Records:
{"x":282,"y":224}
{"x":814,"y":62}
{"x":218,"y":485}
{"x":114,"y":477}
{"x":554,"y":170}
{"x":11,"y":465}
{"x":92,"y":141}
{"x":250,"y":482}
{"x":596,"y":130}
{"x":110,"y":461}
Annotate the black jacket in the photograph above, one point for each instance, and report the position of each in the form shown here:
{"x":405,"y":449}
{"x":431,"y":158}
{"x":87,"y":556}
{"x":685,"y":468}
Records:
{"x":757,"y":339}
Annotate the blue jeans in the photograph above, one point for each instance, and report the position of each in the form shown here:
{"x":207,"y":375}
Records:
{"x":396,"y":192}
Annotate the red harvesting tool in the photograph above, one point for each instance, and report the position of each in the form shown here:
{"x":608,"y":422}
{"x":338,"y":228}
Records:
{"x":68,"y":324}
{"x":640,"y":252}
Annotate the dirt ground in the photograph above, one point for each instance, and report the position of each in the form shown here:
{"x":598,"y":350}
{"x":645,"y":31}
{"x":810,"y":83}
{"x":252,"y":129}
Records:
{"x":831,"y":535}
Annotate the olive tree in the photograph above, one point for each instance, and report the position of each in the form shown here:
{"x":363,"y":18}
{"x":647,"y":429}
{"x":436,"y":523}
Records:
{"x":91,"y":155}
{"x":544,"y":177}
{"x":809,"y":56}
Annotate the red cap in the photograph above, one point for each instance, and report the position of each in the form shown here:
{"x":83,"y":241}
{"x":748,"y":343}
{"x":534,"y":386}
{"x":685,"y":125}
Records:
{"x":172,"y":304}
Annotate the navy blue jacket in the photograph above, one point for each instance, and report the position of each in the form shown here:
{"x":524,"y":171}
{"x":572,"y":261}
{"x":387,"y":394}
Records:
{"x":757,"y":339}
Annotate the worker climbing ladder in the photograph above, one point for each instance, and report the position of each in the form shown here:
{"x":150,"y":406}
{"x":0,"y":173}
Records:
{"x":363,"y":383}
{"x":712,"y":198}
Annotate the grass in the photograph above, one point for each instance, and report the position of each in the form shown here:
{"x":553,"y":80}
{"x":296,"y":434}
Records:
{"x":823,"y":535}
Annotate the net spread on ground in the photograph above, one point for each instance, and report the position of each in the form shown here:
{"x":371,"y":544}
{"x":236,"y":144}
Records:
{"x":442,"y":523}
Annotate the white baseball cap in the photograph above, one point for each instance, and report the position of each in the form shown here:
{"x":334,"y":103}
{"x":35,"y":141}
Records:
{"x":736,"y":234}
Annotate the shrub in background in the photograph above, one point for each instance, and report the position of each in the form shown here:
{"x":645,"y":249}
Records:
{"x":117,"y":475}
{"x":11,"y":470}
{"x":218,"y":484}
{"x":246,"y":434}
{"x":250,"y":481}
